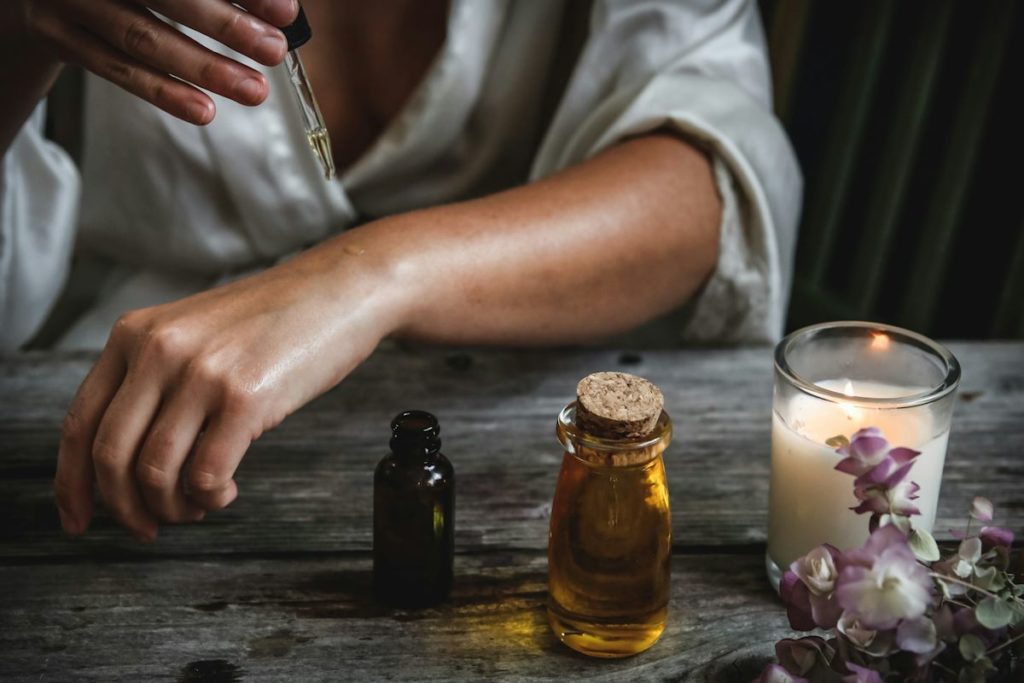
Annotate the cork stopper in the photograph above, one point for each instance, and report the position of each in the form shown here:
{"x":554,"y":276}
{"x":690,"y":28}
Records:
{"x":617,"y":405}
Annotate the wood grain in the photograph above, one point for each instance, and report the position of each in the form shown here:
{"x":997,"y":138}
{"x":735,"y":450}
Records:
{"x":307,"y":484}
{"x":312,"y":620}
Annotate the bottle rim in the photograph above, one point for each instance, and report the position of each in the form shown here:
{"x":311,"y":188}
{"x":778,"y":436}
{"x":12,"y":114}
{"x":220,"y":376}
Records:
{"x":571,"y":436}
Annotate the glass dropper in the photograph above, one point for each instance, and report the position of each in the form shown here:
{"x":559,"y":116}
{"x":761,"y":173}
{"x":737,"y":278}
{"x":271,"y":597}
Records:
{"x":298,"y":34}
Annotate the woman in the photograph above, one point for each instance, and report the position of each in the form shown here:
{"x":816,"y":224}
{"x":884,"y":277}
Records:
{"x":238,"y":284}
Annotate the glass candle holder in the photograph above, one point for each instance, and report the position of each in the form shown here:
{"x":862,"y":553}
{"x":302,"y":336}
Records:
{"x":834,"y":379}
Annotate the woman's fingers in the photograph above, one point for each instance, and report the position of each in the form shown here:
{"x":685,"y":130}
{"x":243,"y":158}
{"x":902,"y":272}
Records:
{"x":163,"y":455}
{"x":175,"y":97}
{"x":73,"y":482}
{"x":217,"y":455}
{"x":124,"y":42}
{"x":253,"y":34}
{"x":138,"y":34}
{"x":277,"y":12}
{"x":118,"y":439}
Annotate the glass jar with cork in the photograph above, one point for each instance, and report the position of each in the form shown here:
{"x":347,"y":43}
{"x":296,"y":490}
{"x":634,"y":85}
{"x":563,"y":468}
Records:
{"x":610,"y":540}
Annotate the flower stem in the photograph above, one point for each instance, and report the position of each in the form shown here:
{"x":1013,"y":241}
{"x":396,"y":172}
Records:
{"x":1011,"y":641}
{"x":960,"y":604}
{"x":950,"y":579}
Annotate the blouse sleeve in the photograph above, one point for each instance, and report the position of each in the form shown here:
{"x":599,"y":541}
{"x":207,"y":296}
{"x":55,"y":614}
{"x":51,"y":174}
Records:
{"x":39,"y":190}
{"x":700,"y":69}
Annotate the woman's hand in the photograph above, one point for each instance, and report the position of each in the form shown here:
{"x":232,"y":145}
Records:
{"x":124,"y":42}
{"x":181,"y":390}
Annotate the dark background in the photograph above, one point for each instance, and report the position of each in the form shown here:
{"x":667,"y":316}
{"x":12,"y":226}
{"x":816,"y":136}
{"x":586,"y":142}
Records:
{"x":906,"y":116}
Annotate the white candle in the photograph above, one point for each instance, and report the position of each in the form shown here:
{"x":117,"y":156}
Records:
{"x":809,"y":502}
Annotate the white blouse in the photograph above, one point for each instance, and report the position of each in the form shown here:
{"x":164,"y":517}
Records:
{"x":170,"y":208}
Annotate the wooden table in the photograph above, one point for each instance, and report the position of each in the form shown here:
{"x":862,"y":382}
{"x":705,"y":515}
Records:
{"x":277,"y":586}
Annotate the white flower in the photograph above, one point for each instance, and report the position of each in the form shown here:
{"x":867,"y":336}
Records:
{"x":817,"y":570}
{"x":883,"y":582}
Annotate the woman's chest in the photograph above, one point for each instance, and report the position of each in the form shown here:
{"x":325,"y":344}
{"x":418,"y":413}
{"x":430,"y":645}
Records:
{"x":365,"y":61}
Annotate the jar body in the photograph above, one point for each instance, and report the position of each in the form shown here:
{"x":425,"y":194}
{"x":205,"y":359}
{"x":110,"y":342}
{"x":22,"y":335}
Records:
{"x":413,"y":530}
{"x":609,"y":552}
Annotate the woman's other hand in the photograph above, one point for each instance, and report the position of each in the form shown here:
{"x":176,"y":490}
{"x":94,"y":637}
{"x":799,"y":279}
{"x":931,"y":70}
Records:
{"x":180,"y":391}
{"x":125,"y":42}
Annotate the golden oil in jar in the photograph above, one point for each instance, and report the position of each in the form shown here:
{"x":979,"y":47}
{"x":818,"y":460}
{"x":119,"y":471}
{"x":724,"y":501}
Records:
{"x":610,"y":540}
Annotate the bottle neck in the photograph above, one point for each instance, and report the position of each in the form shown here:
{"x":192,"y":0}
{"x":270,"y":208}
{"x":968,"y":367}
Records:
{"x":415,"y":436}
{"x":417,"y":450}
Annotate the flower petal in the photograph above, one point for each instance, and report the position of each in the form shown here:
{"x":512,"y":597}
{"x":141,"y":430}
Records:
{"x":882,"y":582}
{"x":867,"y":431}
{"x":981,"y":509}
{"x":994,"y":536}
{"x":917,"y":635}
{"x":798,"y":602}
{"x":825,"y":610}
{"x":860,"y":674}
{"x":851,"y":466}
{"x":773,"y":673}
{"x":897,"y":475}
{"x":800,"y":656}
{"x":868,"y":448}
{"x":970,"y":549}
{"x":903,"y":455}
{"x":878,"y":474}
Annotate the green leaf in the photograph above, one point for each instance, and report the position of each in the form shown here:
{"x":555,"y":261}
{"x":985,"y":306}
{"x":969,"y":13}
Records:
{"x":837,"y":441}
{"x":971,"y":647}
{"x":989,"y":579}
{"x":970,"y":549}
{"x":985,"y":664}
{"x":923,"y":545}
{"x":901,"y":522}
{"x":993,"y":613}
{"x":963,"y":569}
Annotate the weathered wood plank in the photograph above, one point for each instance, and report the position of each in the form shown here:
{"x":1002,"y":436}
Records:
{"x":313,"y":620}
{"x":307,"y":484}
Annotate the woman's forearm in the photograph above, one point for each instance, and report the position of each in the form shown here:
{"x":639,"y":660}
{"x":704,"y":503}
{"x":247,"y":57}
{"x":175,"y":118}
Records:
{"x":590,"y":251}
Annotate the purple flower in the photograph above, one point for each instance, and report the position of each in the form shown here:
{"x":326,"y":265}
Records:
{"x":875,"y":643}
{"x":994,"y":537}
{"x":773,"y":673}
{"x":797,"y":599}
{"x":867,"y":449}
{"x":817,"y":571}
{"x":860,"y":674}
{"x":801,"y":656}
{"x":882,"y":582}
{"x":882,"y":490}
{"x":849,"y":625}
{"x":981,"y":509}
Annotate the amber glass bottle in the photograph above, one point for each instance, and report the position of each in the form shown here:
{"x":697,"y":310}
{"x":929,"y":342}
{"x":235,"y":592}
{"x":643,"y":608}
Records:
{"x":610,"y":540}
{"x":413,"y":515}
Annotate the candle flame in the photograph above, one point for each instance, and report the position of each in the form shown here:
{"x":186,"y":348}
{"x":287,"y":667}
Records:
{"x":879,"y":341}
{"x":852,"y":412}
